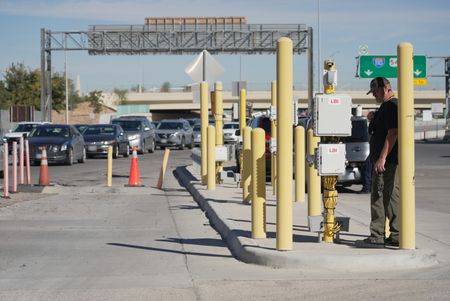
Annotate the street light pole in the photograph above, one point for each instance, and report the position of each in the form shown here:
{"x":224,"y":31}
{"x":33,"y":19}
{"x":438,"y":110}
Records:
{"x":67,"y":81}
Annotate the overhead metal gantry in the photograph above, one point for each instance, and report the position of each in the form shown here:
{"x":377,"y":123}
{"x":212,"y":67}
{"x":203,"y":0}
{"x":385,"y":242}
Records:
{"x":169,"y":39}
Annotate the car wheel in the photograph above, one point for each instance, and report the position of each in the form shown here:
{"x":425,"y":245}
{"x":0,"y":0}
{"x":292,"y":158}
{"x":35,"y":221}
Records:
{"x":115,"y":151}
{"x":127,"y":153}
{"x":191,"y":145}
{"x":182,"y":144}
{"x":69,"y":158}
{"x":83,"y":156}
{"x":152,"y":147}
{"x":141,"y":151}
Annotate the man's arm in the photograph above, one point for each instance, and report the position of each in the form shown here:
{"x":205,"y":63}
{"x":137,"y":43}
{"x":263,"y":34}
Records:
{"x":389,"y":143}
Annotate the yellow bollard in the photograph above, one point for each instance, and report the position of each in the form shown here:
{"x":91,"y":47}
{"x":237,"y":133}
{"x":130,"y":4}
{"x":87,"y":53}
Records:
{"x":110,"y":161}
{"x":246,"y":164}
{"x":299,"y":164}
{"x":284,"y":144}
{"x":273,"y":156}
{"x":242,"y":109}
{"x":211,"y":170}
{"x":258,"y":183}
{"x":203,"y":127}
{"x":313,"y":178}
{"x":406,"y":146}
{"x":242,"y":123}
{"x":218,"y":116}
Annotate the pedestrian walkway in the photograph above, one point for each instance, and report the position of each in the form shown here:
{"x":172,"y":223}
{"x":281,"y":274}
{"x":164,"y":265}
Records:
{"x":232,"y":219}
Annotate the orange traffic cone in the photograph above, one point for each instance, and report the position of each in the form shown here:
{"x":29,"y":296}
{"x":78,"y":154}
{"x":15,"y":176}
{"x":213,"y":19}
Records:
{"x":43,"y":175}
{"x":135,"y":179}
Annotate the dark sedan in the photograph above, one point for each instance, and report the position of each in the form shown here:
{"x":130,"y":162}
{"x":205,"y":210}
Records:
{"x":64,"y":144}
{"x":99,"y":137}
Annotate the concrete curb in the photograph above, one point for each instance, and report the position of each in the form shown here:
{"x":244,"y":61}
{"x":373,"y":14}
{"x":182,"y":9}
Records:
{"x":247,"y":250}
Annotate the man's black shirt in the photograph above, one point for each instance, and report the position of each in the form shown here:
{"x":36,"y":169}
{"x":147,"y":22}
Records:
{"x":385,"y":119}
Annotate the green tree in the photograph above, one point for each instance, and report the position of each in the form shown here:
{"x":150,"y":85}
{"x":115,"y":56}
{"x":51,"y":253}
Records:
{"x":165,"y":87}
{"x":19,"y":82}
{"x":122,"y":95}
{"x":4,"y":96}
{"x":94,"y":100}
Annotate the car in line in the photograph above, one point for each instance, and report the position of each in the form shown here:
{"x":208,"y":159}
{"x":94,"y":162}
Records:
{"x":63,"y":143}
{"x":141,"y":133}
{"x":229,"y":132}
{"x":259,"y":121}
{"x":196,"y":130}
{"x":21,"y":129}
{"x":99,"y":137}
{"x":174,"y":132}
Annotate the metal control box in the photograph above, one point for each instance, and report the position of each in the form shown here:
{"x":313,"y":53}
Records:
{"x":332,"y":115}
{"x":330,"y":159}
{"x":221,"y":153}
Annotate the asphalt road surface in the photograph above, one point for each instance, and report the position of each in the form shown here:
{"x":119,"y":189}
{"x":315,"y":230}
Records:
{"x":81,"y":241}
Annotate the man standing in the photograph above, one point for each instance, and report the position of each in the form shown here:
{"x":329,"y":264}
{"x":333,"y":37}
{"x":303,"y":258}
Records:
{"x":384,"y":197}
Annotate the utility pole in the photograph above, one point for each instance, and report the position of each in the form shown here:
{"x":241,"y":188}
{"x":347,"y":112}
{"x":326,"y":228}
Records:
{"x":447,"y":86}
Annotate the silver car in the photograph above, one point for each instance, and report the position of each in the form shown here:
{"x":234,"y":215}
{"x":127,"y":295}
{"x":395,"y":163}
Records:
{"x":174,"y":132}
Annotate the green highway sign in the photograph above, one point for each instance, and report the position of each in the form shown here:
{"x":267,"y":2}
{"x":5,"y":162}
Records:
{"x":371,"y":66}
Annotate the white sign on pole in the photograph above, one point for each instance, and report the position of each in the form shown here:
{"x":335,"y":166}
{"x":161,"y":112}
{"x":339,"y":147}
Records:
{"x":437,"y":108}
{"x":427,"y":116}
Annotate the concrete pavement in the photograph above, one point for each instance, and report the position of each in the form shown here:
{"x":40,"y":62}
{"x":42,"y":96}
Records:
{"x":232,"y":219}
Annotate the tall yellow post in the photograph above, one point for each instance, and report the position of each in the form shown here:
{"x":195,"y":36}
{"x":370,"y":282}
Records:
{"x":218,"y":116}
{"x":299,"y":164}
{"x":242,"y":109}
{"x":246,"y":164}
{"x":284,"y":144}
{"x":211,"y":170}
{"x":273,"y":157}
{"x":258,"y":184}
{"x":314,"y":199}
{"x":110,"y":161}
{"x":203,"y":127}
{"x":406,"y":146}
{"x":242,"y":123}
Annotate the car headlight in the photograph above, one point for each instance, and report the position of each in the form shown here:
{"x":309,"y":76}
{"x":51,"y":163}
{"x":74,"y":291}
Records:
{"x":108,"y":142}
{"x":174,"y":134}
{"x":63,"y":147}
{"x":133,"y":137}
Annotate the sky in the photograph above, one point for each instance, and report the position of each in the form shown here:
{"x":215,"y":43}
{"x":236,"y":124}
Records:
{"x":340,"y":29}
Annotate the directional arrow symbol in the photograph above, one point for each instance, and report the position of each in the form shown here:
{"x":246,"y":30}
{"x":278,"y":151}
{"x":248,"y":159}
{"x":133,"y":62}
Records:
{"x":368,"y":72}
{"x":417,"y":72}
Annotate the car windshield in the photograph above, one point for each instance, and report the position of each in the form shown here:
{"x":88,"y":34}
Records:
{"x":80,"y":127}
{"x":25,"y":127}
{"x":170,"y":126}
{"x":233,"y":126}
{"x":129,"y":125}
{"x":99,"y":130}
{"x":359,"y":131}
{"x":53,"y":131}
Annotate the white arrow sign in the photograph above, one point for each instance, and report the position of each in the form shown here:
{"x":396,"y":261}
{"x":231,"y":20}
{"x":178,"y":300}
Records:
{"x":417,"y":72}
{"x":368,"y":72}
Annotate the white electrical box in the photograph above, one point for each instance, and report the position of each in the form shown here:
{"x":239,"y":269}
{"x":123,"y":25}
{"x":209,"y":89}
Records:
{"x":273,"y":113}
{"x":332,"y":115}
{"x":221,"y":154}
{"x":330,"y":159}
{"x":273,"y":145}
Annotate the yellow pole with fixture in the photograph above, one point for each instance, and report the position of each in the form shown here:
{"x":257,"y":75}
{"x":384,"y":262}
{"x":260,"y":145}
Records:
{"x":218,"y":116}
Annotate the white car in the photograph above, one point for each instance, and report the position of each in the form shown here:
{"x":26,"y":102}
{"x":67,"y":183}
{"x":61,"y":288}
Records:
{"x":229,"y":132}
{"x":22,"y":128}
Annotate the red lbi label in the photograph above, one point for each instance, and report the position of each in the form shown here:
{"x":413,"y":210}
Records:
{"x":333,"y":150}
{"x":335,"y":101}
